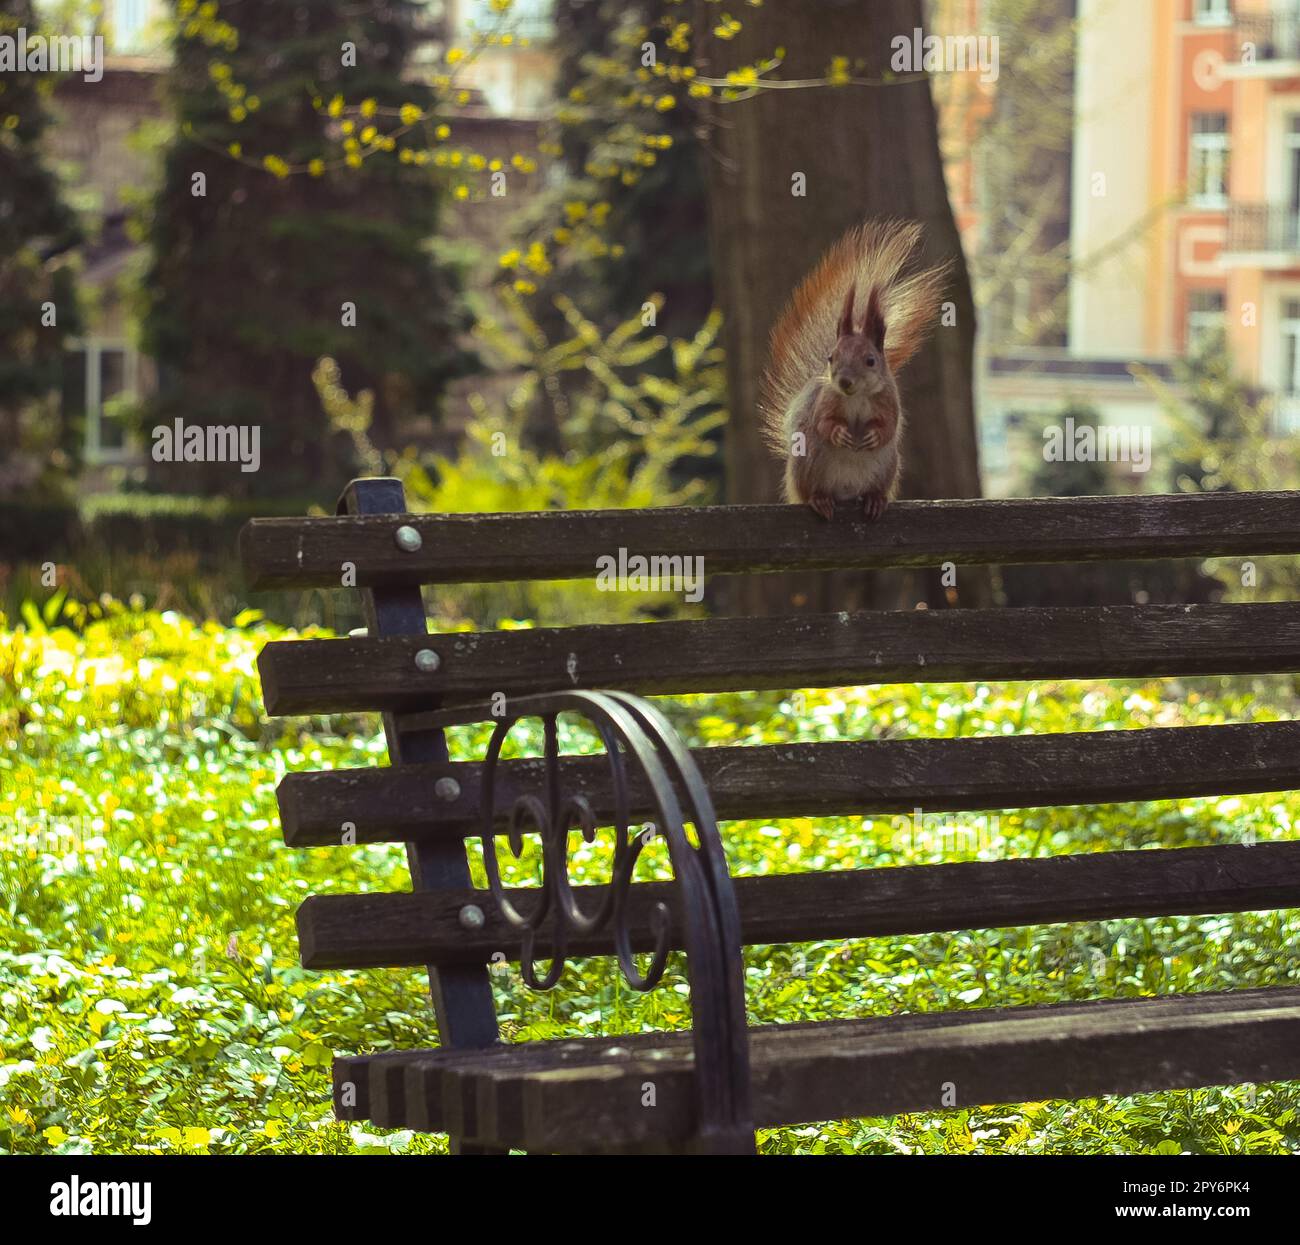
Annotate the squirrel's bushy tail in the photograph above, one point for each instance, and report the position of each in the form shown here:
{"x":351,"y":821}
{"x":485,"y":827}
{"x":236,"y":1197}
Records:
{"x":871,"y":254}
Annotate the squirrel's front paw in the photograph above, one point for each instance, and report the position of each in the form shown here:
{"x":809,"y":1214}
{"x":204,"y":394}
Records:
{"x":835,"y":433}
{"x":873,"y":504}
{"x":871,"y":439}
{"x":823,"y":504}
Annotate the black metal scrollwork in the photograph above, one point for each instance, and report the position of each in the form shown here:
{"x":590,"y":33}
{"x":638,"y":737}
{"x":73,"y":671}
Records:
{"x":706,"y":924}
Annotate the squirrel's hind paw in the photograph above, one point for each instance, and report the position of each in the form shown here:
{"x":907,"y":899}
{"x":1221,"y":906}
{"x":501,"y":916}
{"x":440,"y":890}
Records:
{"x":823,"y":504}
{"x":873,"y":504}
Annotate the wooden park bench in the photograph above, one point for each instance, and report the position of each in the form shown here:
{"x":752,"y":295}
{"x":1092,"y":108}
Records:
{"x":715,"y":1083}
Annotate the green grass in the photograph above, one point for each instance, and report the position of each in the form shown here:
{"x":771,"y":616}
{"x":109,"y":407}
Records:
{"x":151,"y":999}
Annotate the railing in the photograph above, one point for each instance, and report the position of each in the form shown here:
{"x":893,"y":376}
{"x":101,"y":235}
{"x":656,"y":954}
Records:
{"x":1275,"y":36}
{"x":1258,"y":227}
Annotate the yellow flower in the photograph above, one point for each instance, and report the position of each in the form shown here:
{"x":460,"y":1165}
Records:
{"x":197,"y":1137}
{"x":316,"y":168}
{"x":336,"y":106}
{"x":525,"y":287}
{"x":275,"y":165}
{"x":410,"y":114}
{"x":461,"y":192}
{"x":443,"y":131}
{"x":348,"y":127}
{"x":236,"y":150}
{"x":55,"y":1135}
{"x":353,"y":160}
{"x":455,"y":55}
{"x":368,"y":134}
{"x":271,"y":1129}
{"x":536,"y":259}
{"x":509,"y":258}
{"x":664,"y":103}
{"x":369,"y":107}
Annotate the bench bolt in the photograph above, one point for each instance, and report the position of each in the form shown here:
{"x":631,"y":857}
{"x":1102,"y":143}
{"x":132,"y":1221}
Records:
{"x":427,"y":660}
{"x":471,"y":916}
{"x":408,"y":539}
{"x":447,"y":789}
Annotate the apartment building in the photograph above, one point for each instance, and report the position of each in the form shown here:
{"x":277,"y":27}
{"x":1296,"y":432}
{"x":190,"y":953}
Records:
{"x":1184,"y":211}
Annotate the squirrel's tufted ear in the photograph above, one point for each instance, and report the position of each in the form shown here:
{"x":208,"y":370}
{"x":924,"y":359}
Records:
{"x":873,"y":324}
{"x":845,"y":327}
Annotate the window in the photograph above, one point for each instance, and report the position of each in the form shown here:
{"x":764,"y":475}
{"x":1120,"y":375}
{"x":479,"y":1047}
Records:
{"x":98,"y":377}
{"x":1207,"y":163}
{"x":1288,"y":407}
{"x":1212,"y":12}
{"x":130,"y":18}
{"x":529,"y":19}
{"x":1204,"y":318}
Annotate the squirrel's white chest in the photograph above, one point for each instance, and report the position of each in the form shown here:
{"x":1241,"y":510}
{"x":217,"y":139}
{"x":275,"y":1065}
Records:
{"x":850,"y":473}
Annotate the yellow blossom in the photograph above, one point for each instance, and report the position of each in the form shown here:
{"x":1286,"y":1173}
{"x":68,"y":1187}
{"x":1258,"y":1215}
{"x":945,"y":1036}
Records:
{"x":369,"y":107}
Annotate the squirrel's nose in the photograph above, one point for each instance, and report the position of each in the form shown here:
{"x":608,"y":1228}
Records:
{"x":846,"y":385}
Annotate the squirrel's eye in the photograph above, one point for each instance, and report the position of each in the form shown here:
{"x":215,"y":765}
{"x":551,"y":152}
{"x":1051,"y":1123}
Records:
{"x":871,"y":360}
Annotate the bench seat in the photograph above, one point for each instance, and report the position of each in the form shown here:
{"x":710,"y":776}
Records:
{"x":578,"y":1094}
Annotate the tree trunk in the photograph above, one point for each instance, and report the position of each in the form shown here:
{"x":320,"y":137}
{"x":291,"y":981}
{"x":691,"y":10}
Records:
{"x":863,"y":151}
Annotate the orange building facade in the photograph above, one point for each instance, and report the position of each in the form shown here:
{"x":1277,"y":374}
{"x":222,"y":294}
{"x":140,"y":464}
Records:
{"x":1187,"y":185}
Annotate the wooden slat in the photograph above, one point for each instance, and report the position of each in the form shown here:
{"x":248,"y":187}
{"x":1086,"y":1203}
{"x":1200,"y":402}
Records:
{"x":881,"y":1068}
{"x":400,"y":804}
{"x":280,"y":553}
{"x":870,"y":647}
{"x":586,"y":1093}
{"x":392,"y":929}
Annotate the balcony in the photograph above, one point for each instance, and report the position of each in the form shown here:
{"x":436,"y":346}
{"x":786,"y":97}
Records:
{"x":1262,"y":235}
{"x":1275,"y":38}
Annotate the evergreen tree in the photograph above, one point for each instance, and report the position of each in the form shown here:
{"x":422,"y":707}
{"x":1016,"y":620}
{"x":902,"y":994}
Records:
{"x":38,"y":308}
{"x":256,"y":273}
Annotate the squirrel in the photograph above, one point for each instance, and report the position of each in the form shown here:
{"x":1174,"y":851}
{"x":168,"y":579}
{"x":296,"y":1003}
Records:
{"x":830,"y":404}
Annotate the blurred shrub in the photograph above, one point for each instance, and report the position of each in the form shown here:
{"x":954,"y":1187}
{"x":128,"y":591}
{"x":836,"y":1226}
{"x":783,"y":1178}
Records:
{"x":1226,"y":437}
{"x":628,"y":438}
